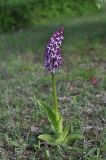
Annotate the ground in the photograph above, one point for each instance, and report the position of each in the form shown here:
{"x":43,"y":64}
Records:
{"x":81,"y":90}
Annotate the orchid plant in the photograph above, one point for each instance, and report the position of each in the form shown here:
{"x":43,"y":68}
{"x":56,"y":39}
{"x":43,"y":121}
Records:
{"x":52,"y":61}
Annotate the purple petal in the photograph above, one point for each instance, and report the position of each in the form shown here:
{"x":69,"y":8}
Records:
{"x":52,"y":59}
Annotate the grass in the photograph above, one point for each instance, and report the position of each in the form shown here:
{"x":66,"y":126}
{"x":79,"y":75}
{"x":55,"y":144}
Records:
{"x":23,"y":79}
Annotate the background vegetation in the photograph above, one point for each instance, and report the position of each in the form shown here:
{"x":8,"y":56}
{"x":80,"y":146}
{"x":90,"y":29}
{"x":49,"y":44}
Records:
{"x":15,"y":14}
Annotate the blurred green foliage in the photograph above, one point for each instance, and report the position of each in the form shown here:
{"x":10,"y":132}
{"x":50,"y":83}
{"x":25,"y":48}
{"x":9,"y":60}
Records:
{"x":16,"y":14}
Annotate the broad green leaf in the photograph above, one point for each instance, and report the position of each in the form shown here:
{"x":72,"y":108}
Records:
{"x":46,"y":137}
{"x":50,"y":114}
{"x":73,"y":137}
{"x":62,"y":137}
{"x":60,"y":124}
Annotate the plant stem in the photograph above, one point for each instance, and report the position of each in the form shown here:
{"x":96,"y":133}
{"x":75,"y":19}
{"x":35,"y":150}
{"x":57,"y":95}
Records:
{"x":54,"y":93}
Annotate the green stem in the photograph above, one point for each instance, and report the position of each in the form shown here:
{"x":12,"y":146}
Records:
{"x":54,"y":94}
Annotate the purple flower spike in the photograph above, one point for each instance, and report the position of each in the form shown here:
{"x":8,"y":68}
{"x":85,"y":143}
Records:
{"x":53,"y":56}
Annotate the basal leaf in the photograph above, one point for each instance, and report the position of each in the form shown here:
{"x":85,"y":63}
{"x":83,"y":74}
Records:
{"x":73,"y":137}
{"x":50,"y":114}
{"x":46,"y":137}
{"x":62,"y":137}
{"x":60,"y":124}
